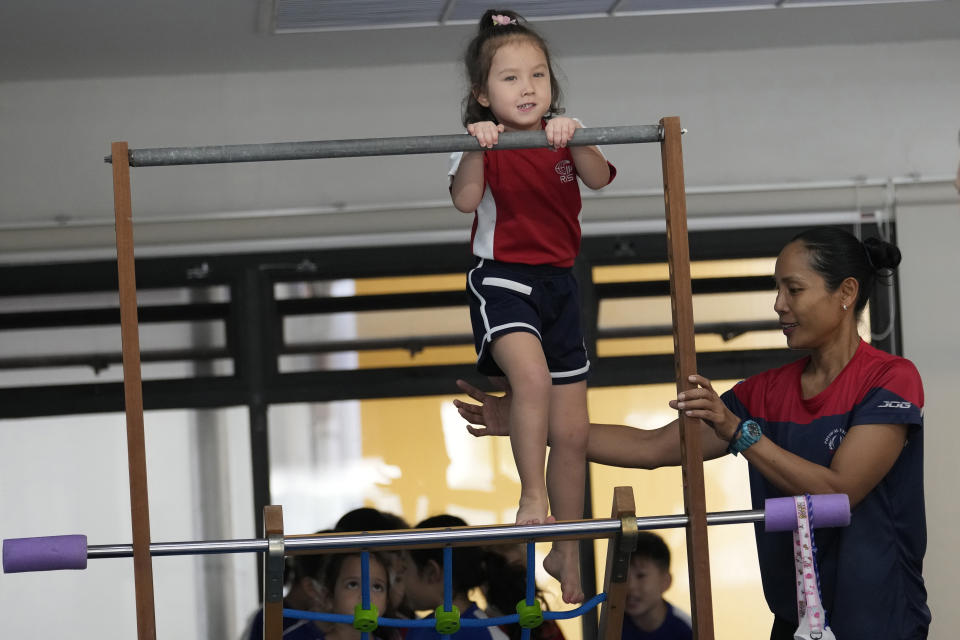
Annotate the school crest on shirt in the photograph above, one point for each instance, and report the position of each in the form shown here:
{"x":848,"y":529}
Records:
{"x":564,"y":169}
{"x":834,"y":438}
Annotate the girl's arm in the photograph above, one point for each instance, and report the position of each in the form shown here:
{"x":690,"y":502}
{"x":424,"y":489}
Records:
{"x":468,"y":184}
{"x":865,"y":456}
{"x":615,"y":445}
{"x":592,"y":167}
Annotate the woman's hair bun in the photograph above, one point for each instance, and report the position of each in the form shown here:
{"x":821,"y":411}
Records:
{"x":882,"y":254}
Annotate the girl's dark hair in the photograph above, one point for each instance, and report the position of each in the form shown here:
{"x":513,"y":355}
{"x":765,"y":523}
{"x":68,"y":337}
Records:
{"x":469,"y":568}
{"x":503,"y":583}
{"x":836,"y":254}
{"x":479,"y":55}
{"x":369,"y":519}
{"x":506,"y":585}
{"x":298,"y":567}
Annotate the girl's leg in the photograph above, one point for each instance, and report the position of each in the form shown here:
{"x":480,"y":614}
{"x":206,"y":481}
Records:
{"x":521,"y":357}
{"x":566,"y":471}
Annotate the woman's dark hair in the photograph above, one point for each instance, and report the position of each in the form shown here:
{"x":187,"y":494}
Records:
{"x":837,"y":254}
{"x":490,"y":37}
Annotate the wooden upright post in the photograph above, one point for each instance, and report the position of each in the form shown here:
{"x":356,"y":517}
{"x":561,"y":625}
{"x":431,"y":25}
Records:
{"x":685,"y":362}
{"x":273,"y":573}
{"x":133,"y":395}
{"x":618,"y":564}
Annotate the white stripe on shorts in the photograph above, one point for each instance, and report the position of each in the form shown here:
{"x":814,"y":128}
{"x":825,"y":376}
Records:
{"x":507,"y":284}
{"x":570,"y":374}
{"x":510,"y":325}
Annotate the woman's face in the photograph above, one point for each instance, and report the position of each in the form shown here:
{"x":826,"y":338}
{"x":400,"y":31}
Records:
{"x":347,"y":593}
{"x":809,"y":314}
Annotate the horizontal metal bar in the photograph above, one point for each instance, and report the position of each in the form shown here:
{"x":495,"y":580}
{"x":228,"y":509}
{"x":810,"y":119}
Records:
{"x":409,"y":145}
{"x":460,"y":536}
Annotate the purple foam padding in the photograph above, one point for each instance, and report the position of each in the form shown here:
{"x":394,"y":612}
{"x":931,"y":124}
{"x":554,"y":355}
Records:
{"x":44,"y":554}
{"x":829,"y":510}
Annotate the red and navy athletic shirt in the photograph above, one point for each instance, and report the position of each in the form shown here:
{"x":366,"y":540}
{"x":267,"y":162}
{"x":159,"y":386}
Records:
{"x":530,"y":210}
{"x":870,"y":571}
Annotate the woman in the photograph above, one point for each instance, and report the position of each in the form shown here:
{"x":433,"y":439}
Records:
{"x":845,"y":419}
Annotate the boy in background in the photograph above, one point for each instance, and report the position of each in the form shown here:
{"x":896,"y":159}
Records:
{"x":647,"y":616}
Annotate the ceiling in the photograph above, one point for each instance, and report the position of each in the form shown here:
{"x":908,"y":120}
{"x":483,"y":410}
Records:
{"x":45,"y":39}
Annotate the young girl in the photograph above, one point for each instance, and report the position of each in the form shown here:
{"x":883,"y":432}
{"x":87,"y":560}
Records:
{"x":473,"y":567}
{"x":330,"y":584}
{"x":340,"y":589}
{"x":524,"y":302}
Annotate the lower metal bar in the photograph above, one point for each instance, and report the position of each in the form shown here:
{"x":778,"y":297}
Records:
{"x":428,"y":538}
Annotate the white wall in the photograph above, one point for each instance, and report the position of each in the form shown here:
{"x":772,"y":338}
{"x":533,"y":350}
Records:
{"x":930,"y":304}
{"x":754,"y":117}
{"x":763,"y":116}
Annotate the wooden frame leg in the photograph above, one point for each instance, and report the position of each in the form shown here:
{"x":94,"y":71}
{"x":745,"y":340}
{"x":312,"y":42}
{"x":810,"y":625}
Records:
{"x":685,"y":359}
{"x":273,"y":573}
{"x":133,"y":395}
{"x":618,"y":564}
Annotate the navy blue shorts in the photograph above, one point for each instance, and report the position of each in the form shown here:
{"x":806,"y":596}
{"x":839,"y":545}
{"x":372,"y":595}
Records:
{"x":541,"y":299}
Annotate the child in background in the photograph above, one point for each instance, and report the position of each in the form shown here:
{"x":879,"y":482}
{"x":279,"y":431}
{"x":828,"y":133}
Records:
{"x":647,"y":616}
{"x":370,"y":519}
{"x":506,"y":585}
{"x":301,"y":576}
{"x":524,"y":300}
{"x":473,"y":567}
{"x":340,"y":589}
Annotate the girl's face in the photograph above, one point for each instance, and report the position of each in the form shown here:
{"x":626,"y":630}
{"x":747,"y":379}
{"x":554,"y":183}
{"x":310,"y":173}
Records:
{"x":420,"y":589}
{"x":809,"y":314}
{"x":347,"y":593}
{"x":518,"y":86}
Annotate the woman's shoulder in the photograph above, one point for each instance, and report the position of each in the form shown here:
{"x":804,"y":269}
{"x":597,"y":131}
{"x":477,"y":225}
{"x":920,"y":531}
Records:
{"x":773,"y":377}
{"x":874,"y":358}
{"x":877,"y":369}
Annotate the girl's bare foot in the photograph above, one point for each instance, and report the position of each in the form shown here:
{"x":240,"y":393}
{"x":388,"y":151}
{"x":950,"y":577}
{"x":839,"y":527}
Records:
{"x":532,"y":510}
{"x":563,"y":563}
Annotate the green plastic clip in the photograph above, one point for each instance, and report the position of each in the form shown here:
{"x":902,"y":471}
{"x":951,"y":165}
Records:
{"x":365,"y":619}
{"x":531,"y":615}
{"x":447,"y":621}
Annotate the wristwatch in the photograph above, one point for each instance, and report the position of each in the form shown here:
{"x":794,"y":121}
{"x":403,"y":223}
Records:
{"x":747,"y":434}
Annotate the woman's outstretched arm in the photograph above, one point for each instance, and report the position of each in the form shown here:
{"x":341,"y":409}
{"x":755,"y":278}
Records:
{"x":610,"y":444}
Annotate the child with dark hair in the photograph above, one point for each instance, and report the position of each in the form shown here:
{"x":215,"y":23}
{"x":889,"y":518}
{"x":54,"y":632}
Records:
{"x":301,"y":575}
{"x":647,"y":615}
{"x":506,"y":585}
{"x":524,"y":299}
{"x":370,"y":519}
{"x":473,"y":567}
{"x":341,"y":590}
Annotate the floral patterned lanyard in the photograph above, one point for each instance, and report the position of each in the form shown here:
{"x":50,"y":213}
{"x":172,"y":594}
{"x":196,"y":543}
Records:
{"x":813,"y":619}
